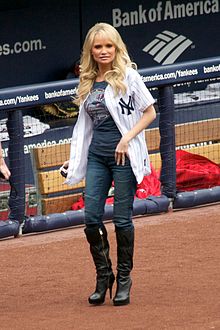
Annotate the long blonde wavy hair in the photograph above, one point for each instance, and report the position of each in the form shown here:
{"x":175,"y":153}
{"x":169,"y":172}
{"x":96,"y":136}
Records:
{"x":89,"y":68}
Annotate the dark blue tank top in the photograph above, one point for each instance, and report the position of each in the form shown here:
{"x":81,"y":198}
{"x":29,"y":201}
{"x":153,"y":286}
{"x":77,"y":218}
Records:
{"x":106,"y":135}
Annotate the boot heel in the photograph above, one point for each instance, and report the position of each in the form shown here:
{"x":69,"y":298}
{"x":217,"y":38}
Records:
{"x":111,"y":282}
{"x":110,"y":292}
{"x":102,"y":286}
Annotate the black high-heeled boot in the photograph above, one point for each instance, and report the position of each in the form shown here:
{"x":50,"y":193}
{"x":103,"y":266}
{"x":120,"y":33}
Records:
{"x":125,"y":251}
{"x":99,"y":248}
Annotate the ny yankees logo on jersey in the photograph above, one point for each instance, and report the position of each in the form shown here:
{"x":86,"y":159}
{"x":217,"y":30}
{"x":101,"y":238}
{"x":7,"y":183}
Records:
{"x":129,"y":106}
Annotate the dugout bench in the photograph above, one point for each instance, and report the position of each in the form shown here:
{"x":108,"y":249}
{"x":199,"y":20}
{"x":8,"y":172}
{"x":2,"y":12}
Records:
{"x":200,"y":137}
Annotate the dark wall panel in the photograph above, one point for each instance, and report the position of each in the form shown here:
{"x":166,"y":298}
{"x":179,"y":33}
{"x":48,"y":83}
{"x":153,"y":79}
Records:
{"x":39,"y":40}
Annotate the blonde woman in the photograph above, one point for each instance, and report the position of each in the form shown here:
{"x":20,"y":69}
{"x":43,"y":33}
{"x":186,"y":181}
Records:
{"x":108,"y":145}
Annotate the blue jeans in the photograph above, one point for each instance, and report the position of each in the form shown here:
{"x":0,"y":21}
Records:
{"x":101,"y":171}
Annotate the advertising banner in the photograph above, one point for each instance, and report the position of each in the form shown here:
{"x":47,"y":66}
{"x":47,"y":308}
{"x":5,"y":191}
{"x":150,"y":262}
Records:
{"x":160,"y":32}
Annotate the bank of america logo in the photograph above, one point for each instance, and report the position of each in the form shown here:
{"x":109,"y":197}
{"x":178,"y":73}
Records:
{"x":167,"y":47}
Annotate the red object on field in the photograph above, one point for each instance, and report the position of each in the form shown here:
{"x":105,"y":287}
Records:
{"x":195,"y":172}
{"x":78,"y":205}
{"x":150,"y":186}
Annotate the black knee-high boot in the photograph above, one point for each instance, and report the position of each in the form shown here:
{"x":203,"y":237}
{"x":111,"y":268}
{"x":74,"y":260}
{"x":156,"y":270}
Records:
{"x":125,"y":251}
{"x":99,"y":248}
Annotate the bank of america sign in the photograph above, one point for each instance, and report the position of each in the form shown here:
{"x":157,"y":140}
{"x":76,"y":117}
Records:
{"x":167,"y":46}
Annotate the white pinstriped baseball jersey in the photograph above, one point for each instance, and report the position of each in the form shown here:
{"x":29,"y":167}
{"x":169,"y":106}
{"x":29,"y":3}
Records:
{"x":126,"y":109}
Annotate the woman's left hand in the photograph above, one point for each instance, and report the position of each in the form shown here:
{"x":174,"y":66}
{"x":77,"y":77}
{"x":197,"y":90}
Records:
{"x":121,"y":151}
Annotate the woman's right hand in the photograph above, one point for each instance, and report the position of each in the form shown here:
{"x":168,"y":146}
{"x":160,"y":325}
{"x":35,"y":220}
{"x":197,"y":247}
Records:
{"x":66,"y":164}
{"x":4,"y":169}
{"x":64,"y":169}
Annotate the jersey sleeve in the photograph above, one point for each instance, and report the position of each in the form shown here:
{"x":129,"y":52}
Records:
{"x":140,"y":94}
